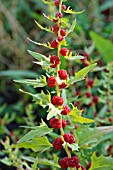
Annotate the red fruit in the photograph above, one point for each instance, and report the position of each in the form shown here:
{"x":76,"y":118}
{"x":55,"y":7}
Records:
{"x":77,"y":93}
{"x":66,"y":110}
{"x":88,"y":94}
{"x":51,"y":81}
{"x":89,"y":164}
{"x":90,"y":83}
{"x":54,"y":44}
{"x":57,"y":3}
{"x":55,"y":123}
{"x":69,"y":138}
{"x":72,"y":162}
{"x":95,"y":99}
{"x":57,"y":101}
{"x":63,"y":162}
{"x":83,"y":168}
{"x":59,"y":15}
{"x":55,"y":28}
{"x":76,"y":126}
{"x":64,"y":123}
{"x":86,"y":54}
{"x":54,"y":60}
{"x":57,"y":143}
{"x":63,"y":7}
{"x":63,"y":85}
{"x":60,"y":39}
{"x":64,"y":51}
{"x":55,"y":20}
{"x":63,"y":32}
{"x":63,"y":74}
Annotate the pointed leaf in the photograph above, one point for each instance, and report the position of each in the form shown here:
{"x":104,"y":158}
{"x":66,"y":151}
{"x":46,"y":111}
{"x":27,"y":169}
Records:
{"x":81,"y":74}
{"x":70,"y":11}
{"x":37,"y":144}
{"x":6,"y":161}
{"x":41,"y":27}
{"x":53,"y":111}
{"x":76,"y":116}
{"x":38,"y":56}
{"x":71,"y":28}
{"x":73,"y":146}
{"x":48,"y":2}
{"x":38,"y":132}
{"x":101,"y":163}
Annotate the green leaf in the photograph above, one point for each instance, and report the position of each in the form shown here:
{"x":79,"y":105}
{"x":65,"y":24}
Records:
{"x":38,"y":56}
{"x":41,"y":27}
{"x":73,"y":146}
{"x":41,"y":82}
{"x":71,"y":28}
{"x":100,"y":42}
{"x":38,"y":132}
{"x":76,"y":116}
{"x":50,"y":2}
{"x":81,"y":74}
{"x":40,"y":98}
{"x":101,"y":163}
{"x":53,"y":111}
{"x":76,"y":57}
{"x":34,"y":166}
{"x":70,"y":11}
{"x":6,"y":161}
{"x":37,"y":144}
{"x":90,"y":136}
{"x":47,"y":45}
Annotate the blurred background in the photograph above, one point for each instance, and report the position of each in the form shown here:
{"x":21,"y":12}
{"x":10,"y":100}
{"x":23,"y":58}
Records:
{"x":16,"y":24}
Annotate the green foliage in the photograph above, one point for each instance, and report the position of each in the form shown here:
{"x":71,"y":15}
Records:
{"x":53,"y":111}
{"x":71,"y":27}
{"x":76,"y":116}
{"x":101,"y":163}
{"x":36,"y":144}
{"x":100,"y":42}
{"x":37,"y":132}
{"x":46,"y":29}
{"x":70,"y":11}
{"x":81,"y":74}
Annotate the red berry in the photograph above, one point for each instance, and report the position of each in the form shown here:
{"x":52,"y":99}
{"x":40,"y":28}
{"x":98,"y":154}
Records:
{"x":60,"y":39}
{"x":59,"y":15}
{"x":90,"y":83}
{"x":54,"y":60}
{"x":95,"y":99}
{"x":64,"y":123}
{"x":64,"y":51}
{"x":51,"y":81}
{"x":55,"y":28}
{"x":86,"y":55}
{"x":69,"y":138}
{"x":76,"y":126}
{"x":63,"y":32}
{"x":77,"y":93}
{"x":88,"y":94}
{"x":55,"y":20}
{"x":63,"y":162}
{"x":54,"y":44}
{"x":55,"y":123}
{"x":66,"y":110}
{"x":63,"y":7}
{"x":63,"y":74}
{"x":57,"y":143}
{"x":57,"y":101}
{"x":57,"y":3}
{"x":83,"y":168}
{"x":63,"y":85}
{"x":89,"y":164}
{"x":72,"y":162}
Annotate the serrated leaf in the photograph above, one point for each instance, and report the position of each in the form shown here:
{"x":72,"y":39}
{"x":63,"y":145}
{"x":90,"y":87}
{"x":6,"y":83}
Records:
{"x":76,"y":57}
{"x":100,"y":42}
{"x":70,"y":11}
{"x":71,"y":28}
{"x":37,"y":144}
{"x":101,"y":163}
{"x":39,"y":131}
{"x":76,"y":116}
{"x":6,"y":161}
{"x":41,"y":82}
{"x":73,"y":146}
{"x":47,"y":45}
{"x":46,"y":29}
{"x":50,"y":2}
{"x":40,"y":98}
{"x":90,"y":136}
{"x":53,"y":111}
{"x":81,"y":74}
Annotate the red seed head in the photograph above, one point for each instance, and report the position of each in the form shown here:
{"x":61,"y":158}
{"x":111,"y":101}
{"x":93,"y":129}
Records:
{"x":55,"y":123}
{"x":95,"y":99}
{"x":51,"y":81}
{"x":64,"y":123}
{"x":83,"y":168}
{"x":63,"y":32}
{"x":55,"y":20}
{"x":54,"y":60}
{"x":64,"y":51}
{"x":90,"y":83}
{"x":55,"y":28}
{"x":57,"y":2}
{"x":57,"y":101}
{"x":63,"y":85}
{"x":54,"y":44}
{"x":72,"y":162}
{"x":57,"y":143}
{"x":69,"y":138}
{"x":63,"y":162}
{"x":66,"y":110}
{"x":60,"y":39}
{"x":63,"y":74}
{"x":88,"y":94}
{"x":59,"y":15}
{"x":63,"y":7}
